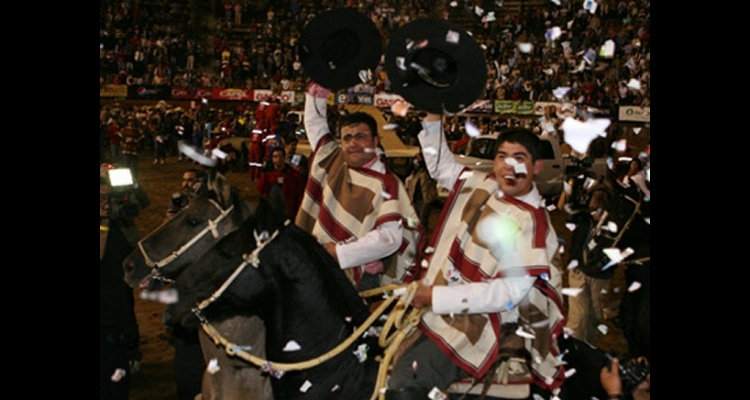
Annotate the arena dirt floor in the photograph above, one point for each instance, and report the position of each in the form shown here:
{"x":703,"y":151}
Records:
{"x":155,"y":380}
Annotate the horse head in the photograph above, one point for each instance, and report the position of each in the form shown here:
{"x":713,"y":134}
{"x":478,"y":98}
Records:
{"x":276,"y":270}
{"x":165,"y":252}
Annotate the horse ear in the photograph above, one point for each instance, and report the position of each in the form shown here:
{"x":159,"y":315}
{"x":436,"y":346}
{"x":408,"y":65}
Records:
{"x":221,"y":186}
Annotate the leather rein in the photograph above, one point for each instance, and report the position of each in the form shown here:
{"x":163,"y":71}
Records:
{"x":398,"y":318}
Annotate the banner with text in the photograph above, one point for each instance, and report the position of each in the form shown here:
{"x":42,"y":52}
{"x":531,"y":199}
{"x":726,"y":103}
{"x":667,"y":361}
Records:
{"x":634,"y":113}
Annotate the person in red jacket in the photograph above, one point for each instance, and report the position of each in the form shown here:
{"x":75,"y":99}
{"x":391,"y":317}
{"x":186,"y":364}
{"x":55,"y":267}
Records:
{"x":282,"y":186}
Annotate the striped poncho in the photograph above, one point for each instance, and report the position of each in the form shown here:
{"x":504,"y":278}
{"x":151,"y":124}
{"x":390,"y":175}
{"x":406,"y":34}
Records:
{"x":343,"y":203}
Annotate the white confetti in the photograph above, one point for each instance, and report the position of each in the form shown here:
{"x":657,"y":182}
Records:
{"x":399,"y":291}
{"x":385,"y":195}
{"x":429,"y":250}
{"x":634,"y":286}
{"x":561,"y":91}
{"x":465,"y":175}
{"x":118,"y":375}
{"x":551,"y":207}
{"x":305,"y":386}
{"x":603,"y":329}
{"x":648,"y":220}
{"x":571,"y":226}
{"x":567,"y":331}
{"x":525,"y":47}
{"x":218,"y":153}
{"x":637,"y":130}
{"x":436,"y":394}
{"x":553,"y":33}
{"x":612,"y":226}
{"x":471,"y":129}
{"x":425,"y":264}
{"x":213,"y":366}
{"x":335,"y":388}
{"x":634,"y":84}
{"x":572,"y":292}
{"x":616,"y":256}
{"x":520,"y":332}
{"x":390,"y":127}
{"x":569,"y":372}
{"x":580,"y":134}
{"x":608,"y":49}
{"x":292,"y":346}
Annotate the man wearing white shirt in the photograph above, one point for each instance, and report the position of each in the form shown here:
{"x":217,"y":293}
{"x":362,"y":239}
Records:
{"x":492,"y":269}
{"x":356,"y":208}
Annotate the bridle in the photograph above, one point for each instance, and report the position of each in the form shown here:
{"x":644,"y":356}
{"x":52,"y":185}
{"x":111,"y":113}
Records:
{"x":212,"y":226}
{"x":402,"y":320}
{"x":262,"y":240}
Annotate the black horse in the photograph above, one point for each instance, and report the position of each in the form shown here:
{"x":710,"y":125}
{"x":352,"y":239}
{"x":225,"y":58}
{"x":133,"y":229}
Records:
{"x":302,"y":295}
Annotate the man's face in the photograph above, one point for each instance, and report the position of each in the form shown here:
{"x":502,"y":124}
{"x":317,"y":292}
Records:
{"x":278,"y":159}
{"x":511,"y":183}
{"x":188,"y":182}
{"x":359,"y":144}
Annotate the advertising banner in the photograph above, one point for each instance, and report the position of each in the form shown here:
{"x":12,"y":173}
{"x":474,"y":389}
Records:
{"x":634,"y":113}
{"x":110,"y":90}
{"x":385,"y":100}
{"x":355,"y":98}
{"x":186,"y":93}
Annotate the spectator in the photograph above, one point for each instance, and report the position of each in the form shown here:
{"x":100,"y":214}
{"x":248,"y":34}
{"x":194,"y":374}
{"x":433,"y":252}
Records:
{"x":282,"y":185}
{"x":298,"y":162}
{"x":612,"y":383}
{"x":119,"y":355}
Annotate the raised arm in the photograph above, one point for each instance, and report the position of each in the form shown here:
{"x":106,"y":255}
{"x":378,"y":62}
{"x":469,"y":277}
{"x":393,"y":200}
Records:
{"x":437,"y":156}
{"x":316,"y":112}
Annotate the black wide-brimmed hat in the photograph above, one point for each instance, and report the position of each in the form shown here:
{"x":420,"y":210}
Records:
{"x":435,"y":65}
{"x":336,"y":45}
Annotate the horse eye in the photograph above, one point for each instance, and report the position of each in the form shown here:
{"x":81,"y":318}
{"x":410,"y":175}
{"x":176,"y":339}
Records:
{"x":192,"y":222}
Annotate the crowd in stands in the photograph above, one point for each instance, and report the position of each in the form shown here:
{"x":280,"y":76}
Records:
{"x":255,"y":44}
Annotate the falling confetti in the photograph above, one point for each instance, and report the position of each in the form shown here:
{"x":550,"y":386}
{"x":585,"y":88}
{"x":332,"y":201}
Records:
{"x":634,"y":286}
{"x":525,"y":47}
{"x":471,"y":129}
{"x":292,"y":346}
{"x":520,"y":332}
{"x":436,"y":394}
{"x":305,"y":386}
{"x":634,"y":84}
{"x":603,"y":329}
{"x":616,"y":256}
{"x":561,"y":91}
{"x":572,"y":292}
{"x":118,"y":375}
{"x":213,"y":366}
{"x":580,"y":134}
{"x":569,"y":372}
{"x":390,"y":127}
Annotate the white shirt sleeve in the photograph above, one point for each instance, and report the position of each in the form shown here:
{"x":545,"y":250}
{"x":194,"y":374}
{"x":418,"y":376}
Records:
{"x":376,"y":244}
{"x":495,"y":295}
{"x":316,"y":121}
{"x":435,"y":150}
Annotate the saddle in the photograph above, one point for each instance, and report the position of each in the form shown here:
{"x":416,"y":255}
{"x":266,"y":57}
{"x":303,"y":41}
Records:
{"x":509,"y":378}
